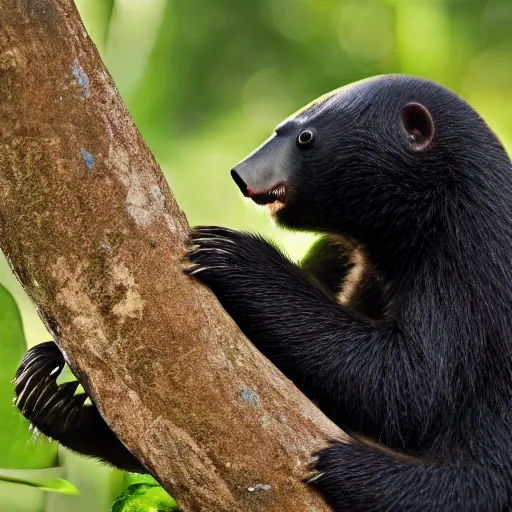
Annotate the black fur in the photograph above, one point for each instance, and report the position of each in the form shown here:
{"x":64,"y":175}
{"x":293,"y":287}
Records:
{"x":425,"y":388}
{"x":330,"y":260}
{"x":418,"y":369}
{"x":60,"y":413}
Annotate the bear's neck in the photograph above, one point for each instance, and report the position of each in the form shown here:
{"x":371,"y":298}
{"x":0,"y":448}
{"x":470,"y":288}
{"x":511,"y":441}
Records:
{"x":469,"y":247}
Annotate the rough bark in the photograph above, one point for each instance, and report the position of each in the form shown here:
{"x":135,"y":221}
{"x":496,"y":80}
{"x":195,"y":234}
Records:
{"x":96,"y":238}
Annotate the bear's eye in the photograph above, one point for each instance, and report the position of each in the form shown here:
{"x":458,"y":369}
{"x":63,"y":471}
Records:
{"x":305,"y":137}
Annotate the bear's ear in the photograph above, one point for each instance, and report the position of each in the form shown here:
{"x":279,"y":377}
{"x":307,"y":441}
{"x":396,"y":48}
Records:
{"x":419,"y":126}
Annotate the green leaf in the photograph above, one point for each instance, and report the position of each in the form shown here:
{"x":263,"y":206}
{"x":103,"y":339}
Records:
{"x":39,"y":480}
{"x":144,"y":494}
{"x":18,"y":448}
{"x":99,"y":485}
{"x":139,"y":478}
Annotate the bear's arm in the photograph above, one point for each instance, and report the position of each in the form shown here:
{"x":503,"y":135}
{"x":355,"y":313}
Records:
{"x":346,"y":362}
{"x":60,"y":413}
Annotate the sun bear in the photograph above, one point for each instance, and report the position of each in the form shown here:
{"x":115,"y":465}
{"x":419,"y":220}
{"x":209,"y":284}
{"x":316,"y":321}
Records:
{"x":398,"y":324}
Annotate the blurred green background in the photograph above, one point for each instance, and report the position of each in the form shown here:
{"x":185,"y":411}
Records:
{"x":206,"y":81}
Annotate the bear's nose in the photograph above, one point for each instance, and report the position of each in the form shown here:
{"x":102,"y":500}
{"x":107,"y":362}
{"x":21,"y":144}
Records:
{"x":240,"y":182}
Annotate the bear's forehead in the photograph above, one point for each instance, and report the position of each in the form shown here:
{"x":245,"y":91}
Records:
{"x":393,"y":90}
{"x":309,"y":112}
{"x":317,"y":104}
{"x":341,"y":96}
{"x":390,"y":88}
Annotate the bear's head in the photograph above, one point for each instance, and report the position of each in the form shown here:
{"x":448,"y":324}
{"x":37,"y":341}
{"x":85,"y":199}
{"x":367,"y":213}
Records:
{"x":380,"y":158}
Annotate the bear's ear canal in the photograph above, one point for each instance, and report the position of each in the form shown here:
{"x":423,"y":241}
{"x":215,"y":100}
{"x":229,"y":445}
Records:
{"x":418,"y":125}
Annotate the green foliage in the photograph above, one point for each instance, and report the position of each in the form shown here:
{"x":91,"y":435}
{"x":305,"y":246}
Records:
{"x":18,"y":448}
{"x":98,"y":484}
{"x":39,"y":480}
{"x":144,"y":494}
{"x":22,"y":490}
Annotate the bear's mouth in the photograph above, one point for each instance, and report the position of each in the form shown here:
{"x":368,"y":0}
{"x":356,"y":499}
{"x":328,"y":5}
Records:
{"x":274,"y":198}
{"x":277,"y":194}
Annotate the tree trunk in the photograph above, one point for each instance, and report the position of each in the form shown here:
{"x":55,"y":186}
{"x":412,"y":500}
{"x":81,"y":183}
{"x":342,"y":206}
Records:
{"x":96,"y":238}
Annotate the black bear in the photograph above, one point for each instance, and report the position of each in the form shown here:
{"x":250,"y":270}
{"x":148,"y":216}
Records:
{"x":398,"y":324}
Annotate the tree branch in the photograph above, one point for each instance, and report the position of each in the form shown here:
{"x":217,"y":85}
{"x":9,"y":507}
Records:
{"x":96,"y":238}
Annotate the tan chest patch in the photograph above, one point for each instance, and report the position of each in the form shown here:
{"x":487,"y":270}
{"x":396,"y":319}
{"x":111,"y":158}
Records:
{"x":355,"y":277}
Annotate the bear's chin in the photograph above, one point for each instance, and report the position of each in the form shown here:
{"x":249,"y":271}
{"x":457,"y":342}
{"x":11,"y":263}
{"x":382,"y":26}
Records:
{"x":275,"y":207}
{"x":283,"y":215}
